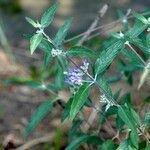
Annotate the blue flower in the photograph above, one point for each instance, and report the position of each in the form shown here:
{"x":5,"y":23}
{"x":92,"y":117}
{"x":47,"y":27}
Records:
{"x":74,"y":76}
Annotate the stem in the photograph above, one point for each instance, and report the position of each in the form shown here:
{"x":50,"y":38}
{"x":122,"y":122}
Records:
{"x":129,"y":45}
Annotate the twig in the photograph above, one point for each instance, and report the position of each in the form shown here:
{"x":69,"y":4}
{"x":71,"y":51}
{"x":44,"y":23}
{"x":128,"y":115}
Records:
{"x":144,"y":74}
{"x":113,"y":23}
{"x":129,"y":45}
{"x":101,"y":13}
{"x":37,"y":141}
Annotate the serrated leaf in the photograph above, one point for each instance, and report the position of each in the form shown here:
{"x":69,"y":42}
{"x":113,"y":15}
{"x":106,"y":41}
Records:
{"x":35,"y":41}
{"x":48,"y":16}
{"x":147,"y":118}
{"x":104,"y":85}
{"x":133,"y":58}
{"x":62,"y":32}
{"x":126,"y":117}
{"x":38,"y":115}
{"x":140,"y":17}
{"x":32,"y":22}
{"x":107,"y":55}
{"x":137,"y":29}
{"x":84,"y":139}
{"x":140,"y":44}
{"x":79,"y":100}
{"x":77,"y":51}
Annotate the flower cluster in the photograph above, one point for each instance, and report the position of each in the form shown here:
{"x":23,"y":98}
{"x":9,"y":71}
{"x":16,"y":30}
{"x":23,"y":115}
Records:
{"x":56,"y":52}
{"x":74,"y":76}
{"x":103,"y":99}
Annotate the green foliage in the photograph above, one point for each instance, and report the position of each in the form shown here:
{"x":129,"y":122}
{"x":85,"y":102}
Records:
{"x":125,"y":115}
{"x":35,"y":41}
{"x":48,"y":16}
{"x":38,"y":115}
{"x":77,"y":51}
{"x":62,"y":32}
{"x":79,"y":100}
{"x":83,"y":80}
{"x":90,"y":139}
{"x":107,"y":56}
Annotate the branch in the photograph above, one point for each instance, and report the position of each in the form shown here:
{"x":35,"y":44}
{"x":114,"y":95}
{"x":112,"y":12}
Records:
{"x":113,"y":23}
{"x":101,"y":13}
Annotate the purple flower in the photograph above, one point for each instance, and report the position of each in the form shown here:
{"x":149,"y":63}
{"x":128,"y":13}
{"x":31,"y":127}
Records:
{"x":74,"y":76}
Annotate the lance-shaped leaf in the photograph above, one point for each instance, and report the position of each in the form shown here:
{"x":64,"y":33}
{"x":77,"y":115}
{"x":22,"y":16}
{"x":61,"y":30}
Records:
{"x":107,"y":56}
{"x":35,"y":41}
{"x":104,"y":85}
{"x":79,"y":100}
{"x":147,"y":118}
{"x":90,"y":139}
{"x":140,"y":17}
{"x":132,"y":57}
{"x":80,"y":51}
{"x":32,"y":22}
{"x":140,"y":44}
{"x":38,"y":115}
{"x":62,"y":32}
{"x":137,"y":29}
{"x":48,"y":16}
{"x":126,"y":116}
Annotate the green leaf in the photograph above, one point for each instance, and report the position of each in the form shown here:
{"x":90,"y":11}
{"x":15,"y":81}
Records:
{"x":108,"y":145}
{"x":26,"y":81}
{"x":125,"y":115}
{"x":132,"y":57}
{"x":38,"y":115}
{"x":104,"y":85}
{"x":74,"y":129}
{"x":148,"y":41}
{"x":35,"y":41}
{"x":84,"y":139}
{"x":46,"y":46}
{"x":147,"y":147}
{"x":79,"y":100}
{"x":147,"y":118}
{"x":48,"y":16}
{"x":125,"y":145}
{"x":77,"y":51}
{"x":107,"y":56}
{"x":140,"y":17}
{"x":47,"y":59}
{"x":58,"y":139}
{"x":62,"y":32}
{"x":136,"y":117}
{"x":59,"y":79}
{"x":66,"y":110}
{"x":32,"y":22}
{"x":137,"y":29}
{"x":140,"y":44}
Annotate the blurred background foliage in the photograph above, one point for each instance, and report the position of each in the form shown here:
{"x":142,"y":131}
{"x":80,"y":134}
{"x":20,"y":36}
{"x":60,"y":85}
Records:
{"x":18,"y":103}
